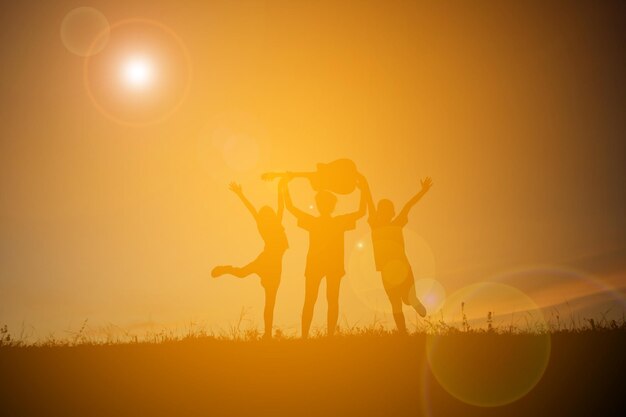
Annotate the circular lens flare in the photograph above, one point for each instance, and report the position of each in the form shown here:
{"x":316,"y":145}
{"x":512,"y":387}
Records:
{"x":499,"y":350}
{"x":85,"y":31}
{"x":431,"y":294}
{"x":234,"y":145}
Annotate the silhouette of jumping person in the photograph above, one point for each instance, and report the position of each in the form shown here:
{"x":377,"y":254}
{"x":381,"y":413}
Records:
{"x":325,"y":257}
{"x":268,"y":265}
{"x":390,"y":254}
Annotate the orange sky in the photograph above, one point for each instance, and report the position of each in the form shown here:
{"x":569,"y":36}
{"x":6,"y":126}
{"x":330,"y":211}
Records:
{"x":515,"y":110}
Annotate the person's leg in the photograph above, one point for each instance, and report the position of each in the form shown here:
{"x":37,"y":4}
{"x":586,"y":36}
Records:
{"x":310,"y":297}
{"x":239,"y":272}
{"x":394,"y":291}
{"x":398,"y":316}
{"x":410,"y":297}
{"x":332,"y":296}
{"x":268,"y":312}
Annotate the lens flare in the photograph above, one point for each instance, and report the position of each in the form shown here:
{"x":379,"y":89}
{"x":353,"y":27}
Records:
{"x":567,"y":294}
{"x":139,"y":53}
{"x":234,"y":145}
{"x":431,"y":294}
{"x":85,"y":31}
{"x":503,"y":370}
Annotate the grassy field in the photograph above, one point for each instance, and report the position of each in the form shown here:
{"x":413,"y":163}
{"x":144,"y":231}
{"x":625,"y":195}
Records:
{"x":365,"y":373}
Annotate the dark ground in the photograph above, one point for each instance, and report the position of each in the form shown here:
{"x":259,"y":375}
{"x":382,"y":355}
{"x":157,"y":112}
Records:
{"x":345,"y":376}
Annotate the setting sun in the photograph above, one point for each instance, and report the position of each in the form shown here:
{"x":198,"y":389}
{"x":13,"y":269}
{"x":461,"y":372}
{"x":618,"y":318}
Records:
{"x":138,"y":72}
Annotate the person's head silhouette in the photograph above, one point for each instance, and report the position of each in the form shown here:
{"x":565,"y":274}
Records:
{"x":326,"y":202}
{"x":268,"y":217}
{"x":386,"y":211}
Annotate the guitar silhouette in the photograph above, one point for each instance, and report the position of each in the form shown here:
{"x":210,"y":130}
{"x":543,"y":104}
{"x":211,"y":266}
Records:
{"x":339,"y":176}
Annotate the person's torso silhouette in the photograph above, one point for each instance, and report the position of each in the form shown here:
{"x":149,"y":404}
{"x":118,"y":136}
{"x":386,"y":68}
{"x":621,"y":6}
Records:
{"x":272,"y":231}
{"x":388,"y":241}
{"x":326,"y":243}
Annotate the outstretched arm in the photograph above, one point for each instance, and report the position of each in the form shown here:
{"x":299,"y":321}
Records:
{"x":299,"y":214}
{"x":280,"y":207}
{"x":236,"y":188}
{"x":426,"y":184}
{"x":365,"y":192}
{"x":371,"y":208}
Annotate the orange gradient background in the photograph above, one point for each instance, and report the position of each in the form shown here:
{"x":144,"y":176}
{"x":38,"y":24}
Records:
{"x":516,"y":110}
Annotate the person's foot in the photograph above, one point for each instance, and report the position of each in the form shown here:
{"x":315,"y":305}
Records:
{"x":219,"y":270}
{"x":401,"y":332}
{"x":419,"y":308}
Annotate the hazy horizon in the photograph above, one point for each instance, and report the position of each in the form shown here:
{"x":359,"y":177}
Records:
{"x":516,"y":110}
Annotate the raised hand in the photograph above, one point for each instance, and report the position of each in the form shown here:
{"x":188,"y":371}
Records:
{"x":361,"y":181}
{"x":426,"y":184}
{"x":235,"y":188}
{"x":269,"y":176}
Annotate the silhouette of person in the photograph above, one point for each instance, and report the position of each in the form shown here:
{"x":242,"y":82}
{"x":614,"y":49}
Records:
{"x":268,"y":265}
{"x":325,"y":257}
{"x":390,"y":254}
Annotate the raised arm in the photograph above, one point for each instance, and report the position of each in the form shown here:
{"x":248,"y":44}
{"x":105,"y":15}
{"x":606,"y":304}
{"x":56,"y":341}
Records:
{"x":236,"y":188}
{"x":365,"y":194}
{"x":299,"y":214}
{"x":280,"y":206}
{"x":426,"y":184}
{"x":371,"y":207}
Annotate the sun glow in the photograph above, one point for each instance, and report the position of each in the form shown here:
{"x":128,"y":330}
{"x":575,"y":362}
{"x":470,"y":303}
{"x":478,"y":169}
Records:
{"x":138,"y":72}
